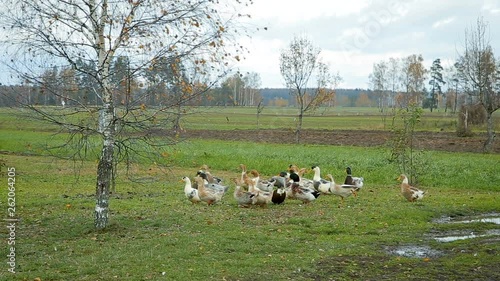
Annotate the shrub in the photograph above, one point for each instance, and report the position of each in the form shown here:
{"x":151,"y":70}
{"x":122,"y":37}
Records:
{"x":470,"y":115}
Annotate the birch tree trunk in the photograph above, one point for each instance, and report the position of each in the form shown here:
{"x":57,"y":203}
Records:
{"x":84,"y":36}
{"x":105,"y":172}
{"x":107,"y":124}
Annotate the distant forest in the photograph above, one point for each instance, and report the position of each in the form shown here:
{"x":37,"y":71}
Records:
{"x":217,"y":96}
{"x":343,"y":97}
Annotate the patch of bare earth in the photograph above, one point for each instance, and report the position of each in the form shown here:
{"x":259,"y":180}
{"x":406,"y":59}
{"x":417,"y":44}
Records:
{"x":442,"y":141}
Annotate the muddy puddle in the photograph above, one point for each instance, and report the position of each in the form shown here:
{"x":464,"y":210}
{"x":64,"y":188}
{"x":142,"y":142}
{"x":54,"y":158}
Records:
{"x":423,"y":251}
{"x":484,"y":218}
{"x":412,"y":251}
{"x":472,"y":235}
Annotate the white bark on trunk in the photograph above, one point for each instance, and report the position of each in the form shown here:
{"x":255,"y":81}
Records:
{"x":107,"y":122}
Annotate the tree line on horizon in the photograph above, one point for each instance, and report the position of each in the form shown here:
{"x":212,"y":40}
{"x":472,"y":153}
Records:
{"x":233,"y":91}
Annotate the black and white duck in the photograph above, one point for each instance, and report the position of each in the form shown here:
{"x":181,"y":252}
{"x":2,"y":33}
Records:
{"x":356,"y":181}
{"x":304,"y":194}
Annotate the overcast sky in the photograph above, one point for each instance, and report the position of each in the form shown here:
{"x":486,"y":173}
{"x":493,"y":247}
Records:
{"x":355,"y":34}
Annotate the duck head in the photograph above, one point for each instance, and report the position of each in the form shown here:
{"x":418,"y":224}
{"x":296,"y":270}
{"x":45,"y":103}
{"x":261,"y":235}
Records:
{"x":348,"y":170}
{"x":402,"y":178}
{"x":294,"y":177}
{"x":202,"y":175}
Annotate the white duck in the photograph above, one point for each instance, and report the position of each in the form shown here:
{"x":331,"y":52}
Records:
{"x":190,"y":192}
{"x":319,"y":183}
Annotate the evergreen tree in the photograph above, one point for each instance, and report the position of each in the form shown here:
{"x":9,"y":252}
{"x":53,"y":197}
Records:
{"x":436,"y":82}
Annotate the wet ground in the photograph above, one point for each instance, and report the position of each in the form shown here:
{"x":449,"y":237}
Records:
{"x":462,"y":229}
{"x":440,"y":255}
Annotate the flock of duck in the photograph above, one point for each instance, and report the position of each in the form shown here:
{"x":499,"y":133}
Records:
{"x":251,"y":189}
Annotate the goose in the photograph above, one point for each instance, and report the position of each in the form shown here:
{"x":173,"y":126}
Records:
{"x":189,"y":191}
{"x":409,"y":192}
{"x":341,"y":190}
{"x":356,"y":181}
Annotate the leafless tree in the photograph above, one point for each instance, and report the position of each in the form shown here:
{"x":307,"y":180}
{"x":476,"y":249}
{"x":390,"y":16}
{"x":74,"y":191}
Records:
{"x":252,"y":85}
{"x":43,"y":34}
{"x":479,"y":72}
{"x":393,"y":73}
{"x":298,"y":63}
{"x":379,"y":81}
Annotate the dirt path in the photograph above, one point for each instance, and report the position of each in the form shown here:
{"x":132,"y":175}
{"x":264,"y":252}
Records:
{"x":424,"y":140}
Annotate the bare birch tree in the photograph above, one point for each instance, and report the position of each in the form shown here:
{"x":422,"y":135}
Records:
{"x":53,"y":33}
{"x":298,"y":64}
{"x":379,"y":81}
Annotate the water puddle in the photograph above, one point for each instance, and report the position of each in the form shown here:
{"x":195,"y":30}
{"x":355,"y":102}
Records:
{"x":484,"y":218}
{"x":472,"y":235}
{"x":415,"y":252}
{"x":493,"y":218}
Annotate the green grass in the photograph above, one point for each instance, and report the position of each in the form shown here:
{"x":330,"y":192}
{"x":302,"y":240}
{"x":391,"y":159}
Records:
{"x":156,"y":234}
{"x":154,"y":229}
{"x":325,"y":118}
{"x":230,"y":118}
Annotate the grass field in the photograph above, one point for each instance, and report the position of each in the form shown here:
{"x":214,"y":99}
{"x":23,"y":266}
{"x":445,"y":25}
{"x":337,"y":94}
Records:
{"x":156,"y":234}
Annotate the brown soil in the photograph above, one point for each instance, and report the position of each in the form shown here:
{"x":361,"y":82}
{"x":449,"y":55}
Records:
{"x":442,"y":141}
